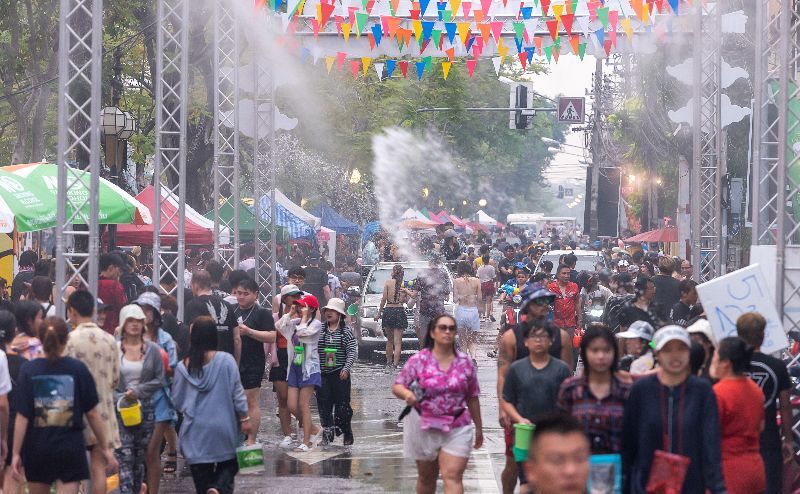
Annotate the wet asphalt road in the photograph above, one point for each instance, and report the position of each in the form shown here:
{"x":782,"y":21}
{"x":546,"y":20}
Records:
{"x":375,"y":463}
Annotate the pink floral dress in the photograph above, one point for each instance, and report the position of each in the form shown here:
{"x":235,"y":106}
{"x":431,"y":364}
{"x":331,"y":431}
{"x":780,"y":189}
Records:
{"x":444,"y":405}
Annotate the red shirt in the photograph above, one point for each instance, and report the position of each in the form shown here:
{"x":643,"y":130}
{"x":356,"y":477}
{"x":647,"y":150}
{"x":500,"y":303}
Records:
{"x":111,"y":292}
{"x":565,"y":304}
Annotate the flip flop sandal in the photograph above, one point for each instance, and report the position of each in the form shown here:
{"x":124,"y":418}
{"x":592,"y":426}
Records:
{"x":171,"y":464}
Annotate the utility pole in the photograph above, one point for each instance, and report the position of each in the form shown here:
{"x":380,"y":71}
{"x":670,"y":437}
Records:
{"x":592,"y":185}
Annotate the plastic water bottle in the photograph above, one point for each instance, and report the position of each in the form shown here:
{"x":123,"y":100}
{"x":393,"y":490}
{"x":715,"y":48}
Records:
{"x":579,"y":367}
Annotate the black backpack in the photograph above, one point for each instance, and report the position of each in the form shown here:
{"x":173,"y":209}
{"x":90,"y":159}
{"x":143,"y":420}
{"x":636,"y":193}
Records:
{"x":615,"y":309}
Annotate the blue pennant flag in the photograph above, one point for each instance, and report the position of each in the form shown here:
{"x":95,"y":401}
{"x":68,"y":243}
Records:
{"x":423,"y":6}
{"x":427,"y":27}
{"x":470,"y":41}
{"x":530,"y":50}
{"x":377,"y":33}
{"x":526,"y":12}
{"x":601,"y":36}
{"x":390,"y":66}
{"x":674,"y":5}
{"x":518,"y":42}
{"x":420,"y":69}
{"x":450,"y":27}
{"x":304,"y":54}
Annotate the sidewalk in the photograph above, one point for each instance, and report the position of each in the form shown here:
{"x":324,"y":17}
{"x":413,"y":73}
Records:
{"x":375,"y":462}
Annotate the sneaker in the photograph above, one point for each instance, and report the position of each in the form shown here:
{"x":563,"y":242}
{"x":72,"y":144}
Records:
{"x":327,"y":436}
{"x":286,"y":443}
{"x":303,"y":448}
{"x":491,"y":318}
{"x":316,"y":438}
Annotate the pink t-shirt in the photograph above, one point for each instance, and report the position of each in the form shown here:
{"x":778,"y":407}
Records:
{"x":444,"y":405}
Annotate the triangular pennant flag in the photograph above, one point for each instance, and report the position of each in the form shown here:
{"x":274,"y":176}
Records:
{"x":567,"y":20}
{"x":612,"y":37}
{"x":601,"y":36}
{"x":403,"y":68}
{"x":392,"y":24}
{"x":556,"y":51}
{"x":451,"y":53}
{"x":552,"y":26}
{"x":485,"y":6}
{"x":548,"y":50}
{"x":417,"y":27}
{"x":471,"y":66}
{"x":502,"y":50}
{"x":393,"y":5}
{"x":329,"y":62}
{"x":463,"y":31}
{"x":613,"y":19}
{"x":378,"y":69}
{"x":370,"y":4}
{"x":340,"y":56}
{"x":637,"y":6}
{"x":414,"y":14}
{"x":427,"y":28}
{"x":607,"y":47}
{"x":361,"y":22}
{"x":420,"y":69}
{"x":446,"y":69}
{"x":575,"y":41}
{"x":376,"y":32}
{"x":346,"y":31}
{"x":530,"y":50}
{"x":519,"y":29}
{"x":466,"y":7}
{"x":518,"y":42}
{"x":582,"y":50}
{"x":545,"y":7}
{"x":315,"y":27}
{"x":526,"y":12}
{"x":558,"y":10}
{"x":496,"y":63}
{"x":437,"y":38}
{"x":573,"y":6}
{"x":523,"y":59}
{"x":486,"y":31}
{"x":674,"y":5}
{"x":428,"y":62}
{"x":602,"y":14}
{"x":451,"y":28}
{"x":354,"y":68}
{"x":390,"y":64}
{"x":423,"y":6}
{"x":497,"y":30}
{"x":537,"y":40}
{"x":478,"y":15}
{"x":325,"y":11}
{"x":365,"y":63}
{"x":626,"y":26}
{"x":454,"y":5}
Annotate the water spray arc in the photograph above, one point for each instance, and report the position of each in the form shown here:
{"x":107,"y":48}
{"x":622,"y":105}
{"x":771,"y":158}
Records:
{"x":79,"y":83}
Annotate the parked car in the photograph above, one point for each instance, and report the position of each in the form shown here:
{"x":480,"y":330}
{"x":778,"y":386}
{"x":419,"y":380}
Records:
{"x":587,"y":259}
{"x":371,"y":340}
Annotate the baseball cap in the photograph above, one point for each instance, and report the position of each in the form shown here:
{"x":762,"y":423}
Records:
{"x":149,"y":298}
{"x":670,"y":333}
{"x":533,"y":292}
{"x":703,"y":327}
{"x":450,"y":233}
{"x":290,"y":290}
{"x":638,"y":329}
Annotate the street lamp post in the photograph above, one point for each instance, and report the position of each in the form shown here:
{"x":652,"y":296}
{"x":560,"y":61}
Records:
{"x":117,"y":127}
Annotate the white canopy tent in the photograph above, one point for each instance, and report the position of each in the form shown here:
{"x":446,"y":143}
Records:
{"x":484,"y":219}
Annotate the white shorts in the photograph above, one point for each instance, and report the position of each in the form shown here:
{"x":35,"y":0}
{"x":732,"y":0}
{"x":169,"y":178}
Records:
{"x":468,"y":318}
{"x":424,"y":444}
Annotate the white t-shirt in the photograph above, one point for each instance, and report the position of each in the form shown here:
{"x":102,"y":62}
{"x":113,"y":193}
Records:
{"x":5,"y":377}
{"x":486,"y":273}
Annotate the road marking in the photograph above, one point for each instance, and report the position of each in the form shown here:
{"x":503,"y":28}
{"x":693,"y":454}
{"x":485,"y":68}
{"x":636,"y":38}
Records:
{"x":313,"y":456}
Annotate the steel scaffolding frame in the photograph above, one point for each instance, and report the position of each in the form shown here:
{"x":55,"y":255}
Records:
{"x":226,"y":130}
{"x":79,"y":79}
{"x":172,"y":69}
{"x":708,"y":166}
{"x":264,"y":171}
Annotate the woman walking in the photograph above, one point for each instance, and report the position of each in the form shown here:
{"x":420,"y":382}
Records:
{"x":438,"y":432}
{"x":208,"y":392}
{"x":338,"y":349}
{"x":301,"y":329}
{"x":29,"y":315}
{"x":740,"y":417}
{"x":278,"y":374}
{"x":393,"y":314}
{"x":141,"y":377}
{"x":54,"y":394}
{"x":597,"y":398}
{"x":8,"y":329}
{"x":466,"y":295}
{"x":487,"y":274}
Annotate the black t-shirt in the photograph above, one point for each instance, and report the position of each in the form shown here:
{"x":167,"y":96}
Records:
{"x":634,"y":313}
{"x":220,"y":311}
{"x":316,"y":281}
{"x":179,"y":333}
{"x":54,"y":398}
{"x":680,"y":314}
{"x":260,"y":320}
{"x":772,"y":377}
{"x":18,"y":287}
{"x":668,"y":293}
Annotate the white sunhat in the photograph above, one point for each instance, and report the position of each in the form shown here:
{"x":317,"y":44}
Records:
{"x":338,"y":305}
{"x":638,"y":329}
{"x":703,"y":327}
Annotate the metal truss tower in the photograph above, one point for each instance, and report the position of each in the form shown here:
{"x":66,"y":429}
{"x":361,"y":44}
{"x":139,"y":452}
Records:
{"x":226,"y":130}
{"x":708,"y":167}
{"x":79,"y":83}
{"x":169,"y":178}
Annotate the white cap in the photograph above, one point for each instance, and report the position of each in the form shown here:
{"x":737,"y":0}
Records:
{"x":638,"y":329}
{"x":670,"y":333}
{"x":703,"y":327}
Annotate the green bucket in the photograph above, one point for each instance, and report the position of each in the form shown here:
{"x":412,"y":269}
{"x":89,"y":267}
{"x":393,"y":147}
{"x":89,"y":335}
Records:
{"x":522,"y":436}
{"x":250,"y":459}
{"x":352,"y":310}
{"x":520,"y":455}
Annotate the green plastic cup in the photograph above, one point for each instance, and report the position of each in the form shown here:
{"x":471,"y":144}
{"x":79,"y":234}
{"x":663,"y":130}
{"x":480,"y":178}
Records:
{"x":522,"y":436}
{"x":352,"y":310}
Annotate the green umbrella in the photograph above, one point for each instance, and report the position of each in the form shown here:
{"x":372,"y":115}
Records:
{"x":247,"y":223}
{"x":29,"y":193}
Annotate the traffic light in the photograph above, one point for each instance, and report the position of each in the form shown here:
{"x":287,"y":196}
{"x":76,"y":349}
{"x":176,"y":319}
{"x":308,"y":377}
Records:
{"x":521,"y":120}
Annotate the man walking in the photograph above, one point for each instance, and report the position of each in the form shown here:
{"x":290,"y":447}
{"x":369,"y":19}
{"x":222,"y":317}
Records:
{"x":568,"y":308}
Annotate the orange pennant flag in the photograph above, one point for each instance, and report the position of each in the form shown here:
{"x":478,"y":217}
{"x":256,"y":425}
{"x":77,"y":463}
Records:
{"x":478,"y":15}
{"x":575,"y":41}
{"x":486,"y":31}
{"x":451,"y":53}
{"x":537,"y":40}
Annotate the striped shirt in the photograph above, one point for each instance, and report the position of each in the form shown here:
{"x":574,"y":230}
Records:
{"x":601,"y":419}
{"x":345,"y":345}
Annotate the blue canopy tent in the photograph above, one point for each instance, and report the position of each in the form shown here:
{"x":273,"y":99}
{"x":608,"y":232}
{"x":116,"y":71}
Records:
{"x":370,"y":229}
{"x":297,"y":228}
{"x":335,"y":221}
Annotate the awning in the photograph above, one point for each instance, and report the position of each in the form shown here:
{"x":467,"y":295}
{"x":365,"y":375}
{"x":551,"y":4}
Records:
{"x":335,"y":221}
{"x":666,"y":234}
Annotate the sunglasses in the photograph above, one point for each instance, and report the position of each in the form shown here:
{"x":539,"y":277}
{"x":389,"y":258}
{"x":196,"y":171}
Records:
{"x":541,"y":301}
{"x":446,"y":328}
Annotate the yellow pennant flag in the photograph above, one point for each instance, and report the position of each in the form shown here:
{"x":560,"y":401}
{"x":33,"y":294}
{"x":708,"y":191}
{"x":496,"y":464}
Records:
{"x":416,"y":25}
{"x":329,"y":62}
{"x":365,"y":61}
{"x":502,"y":50}
{"x":626,"y":26}
{"x":454,"y":5}
{"x":446,"y":69}
{"x":319,"y":13}
{"x":346,"y":31}
{"x":557,"y":11}
{"x":646,"y":14}
{"x":463,"y":31}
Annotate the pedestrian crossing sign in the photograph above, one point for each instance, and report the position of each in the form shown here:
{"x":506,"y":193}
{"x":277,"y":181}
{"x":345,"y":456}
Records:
{"x":571,"y":110}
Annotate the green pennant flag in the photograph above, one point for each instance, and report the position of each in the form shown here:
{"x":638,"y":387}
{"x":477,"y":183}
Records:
{"x":557,"y":45}
{"x":548,"y":50}
{"x":437,"y":37}
{"x":428,"y":61}
{"x":364,"y":3}
{"x":574,"y":6}
{"x":582,"y":50}
{"x":447,"y":15}
{"x":519,"y":29}
{"x":361,"y":21}
{"x":602,"y":14}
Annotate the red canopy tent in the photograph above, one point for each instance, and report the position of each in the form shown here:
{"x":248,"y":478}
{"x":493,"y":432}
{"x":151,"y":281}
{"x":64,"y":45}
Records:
{"x":666,"y":234}
{"x":196,"y":227}
{"x":451,"y":217}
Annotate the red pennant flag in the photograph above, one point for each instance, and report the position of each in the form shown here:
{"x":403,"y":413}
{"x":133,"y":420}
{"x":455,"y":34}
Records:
{"x":485,"y":6}
{"x":545,"y":7}
{"x":552,"y":26}
{"x":370,"y":4}
{"x":612,"y":35}
{"x":451,"y":53}
{"x":327,"y":11}
{"x":371,"y":39}
{"x":340,"y":56}
{"x":567,"y":20}
{"x":477,"y":47}
{"x":315,"y":27}
{"x":471,"y":66}
{"x":414,"y":14}
{"x":403,"y":67}
{"x":497,"y":30}
{"x":339,"y":21}
{"x":523,"y":59}
{"x":466,"y":7}
{"x":352,"y":13}
{"x":355,"y":66}
{"x":607,"y":46}
{"x":660,"y":6}
{"x":613,"y":18}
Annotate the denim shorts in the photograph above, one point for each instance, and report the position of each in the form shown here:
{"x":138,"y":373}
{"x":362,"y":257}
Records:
{"x":164,"y":408}
{"x":295,"y":379}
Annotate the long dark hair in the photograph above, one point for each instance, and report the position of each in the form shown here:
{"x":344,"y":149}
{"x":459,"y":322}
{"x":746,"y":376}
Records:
{"x":397,"y":273}
{"x":26,"y":313}
{"x":8,"y":328}
{"x":593,"y":332}
{"x":432,"y":325}
{"x":202,"y":339}
{"x":737,"y":352}
{"x":53,"y":333}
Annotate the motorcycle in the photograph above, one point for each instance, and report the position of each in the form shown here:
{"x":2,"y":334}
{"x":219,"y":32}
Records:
{"x":594,"y":308}
{"x":511,"y":308}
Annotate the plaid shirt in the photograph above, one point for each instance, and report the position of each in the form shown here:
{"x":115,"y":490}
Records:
{"x":601,"y":419}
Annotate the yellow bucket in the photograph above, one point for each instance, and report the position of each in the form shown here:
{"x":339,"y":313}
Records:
{"x":131,"y":415}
